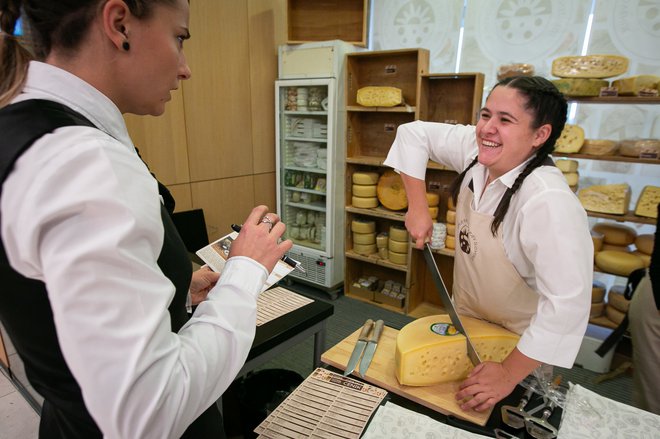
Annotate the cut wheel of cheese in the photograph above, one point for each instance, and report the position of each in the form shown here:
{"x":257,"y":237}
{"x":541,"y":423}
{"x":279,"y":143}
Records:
{"x":363,"y":226}
{"x":451,"y":217}
{"x":589,"y":66}
{"x":597,"y":292}
{"x":365,"y":178}
{"x":379,"y":96}
{"x":451,"y":229}
{"x":450,"y":203}
{"x":640,"y":148}
{"x":397,"y":258}
{"x":364,"y":238}
{"x":644,"y":243}
{"x":580,"y":86}
{"x":367,"y":190}
{"x":598,"y":239}
{"x":597,"y":309}
{"x":572,"y":178}
{"x":433,"y":211}
{"x":450,"y":242}
{"x":398,"y":233}
{"x":571,"y":139}
{"x":391,"y":192}
{"x":397,"y":246}
{"x":382,"y":240}
{"x":430,"y":351}
{"x":432,"y":198}
{"x":646,"y":258}
{"x":365,"y":202}
{"x":610,"y":198}
{"x":599,"y":147}
{"x":566,"y":165}
{"x":365,"y":249}
{"x":614,"y":314}
{"x":647,"y":204}
{"x":618,"y":248}
{"x":615,"y":234}
{"x":632,"y":85}
{"x":617,"y":300}
{"x":618,"y":262}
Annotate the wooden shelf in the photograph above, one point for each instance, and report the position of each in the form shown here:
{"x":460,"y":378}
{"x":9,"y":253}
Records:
{"x":372,"y":302}
{"x":379,"y":212}
{"x":609,"y":158}
{"x":397,"y":109}
{"x":615,"y":100}
{"x":630,"y":217}
{"x":375,"y":259}
{"x":379,"y":161}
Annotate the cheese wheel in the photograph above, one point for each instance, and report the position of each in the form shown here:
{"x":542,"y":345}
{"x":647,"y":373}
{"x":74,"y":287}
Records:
{"x":589,"y":66}
{"x":365,"y":202}
{"x":382,"y":240}
{"x":632,"y":85}
{"x":644,"y":243}
{"x":647,"y":203}
{"x":391,"y":192}
{"x":433,"y":211}
{"x":450,"y":242}
{"x":597,"y":292}
{"x":367,"y":190}
{"x":597,"y":309}
{"x":397,"y":258}
{"x":397,"y":246}
{"x":614,"y":314}
{"x":579,"y":87}
{"x":618,"y":248}
{"x":566,"y":165}
{"x":639,"y":148}
{"x":614,"y":233}
{"x":432,"y":198}
{"x":616,"y":299}
{"x":599,"y":147}
{"x":451,"y":217}
{"x":618,"y":262}
{"x":571,"y":178}
{"x":398,"y":233}
{"x":379,"y":96}
{"x":611,"y":198}
{"x":571,"y":139}
{"x":364,"y":238}
{"x":365,"y":178}
{"x":450,"y":203}
{"x":365,"y":249}
{"x":646,"y":258}
{"x":451,"y":229}
{"x":598,"y":240}
{"x":363,"y":226}
{"x":429,"y":351}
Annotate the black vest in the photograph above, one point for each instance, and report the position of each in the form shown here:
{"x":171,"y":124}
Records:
{"x":25,"y":309}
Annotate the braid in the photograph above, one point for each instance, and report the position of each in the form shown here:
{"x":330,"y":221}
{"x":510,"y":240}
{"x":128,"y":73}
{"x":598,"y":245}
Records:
{"x":456,"y":184}
{"x":14,"y":58}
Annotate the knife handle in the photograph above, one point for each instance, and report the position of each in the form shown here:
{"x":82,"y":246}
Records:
{"x":378,"y":330}
{"x":366,"y":328}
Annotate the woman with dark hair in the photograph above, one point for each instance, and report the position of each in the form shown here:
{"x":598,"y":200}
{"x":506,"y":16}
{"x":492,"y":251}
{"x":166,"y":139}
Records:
{"x":526,"y":257}
{"x":95,"y":277}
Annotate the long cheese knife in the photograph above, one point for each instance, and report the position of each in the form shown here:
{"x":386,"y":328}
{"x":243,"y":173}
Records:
{"x":448,"y":304}
{"x":360,"y":345}
{"x":365,"y":362}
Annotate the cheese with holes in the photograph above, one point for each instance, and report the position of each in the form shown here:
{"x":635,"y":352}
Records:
{"x":366,"y":190}
{"x":610,"y":198}
{"x":632,"y":85}
{"x":589,"y":66}
{"x":644,"y":243}
{"x":365,"y":202}
{"x":647,"y":203}
{"x":566,"y":165}
{"x":599,"y":147}
{"x":615,"y":233}
{"x":365,"y":178}
{"x":597,"y":292}
{"x":640,"y":148}
{"x":621,"y":263}
{"x":580,"y":87}
{"x":570,"y":140}
{"x":391,"y":192}
{"x":376,"y":96}
{"x":430,"y":351}
{"x":363,"y":226}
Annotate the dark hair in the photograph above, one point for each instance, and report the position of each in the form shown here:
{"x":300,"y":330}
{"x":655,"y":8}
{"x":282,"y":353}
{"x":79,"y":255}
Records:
{"x":49,"y":23}
{"x":548,"y":106}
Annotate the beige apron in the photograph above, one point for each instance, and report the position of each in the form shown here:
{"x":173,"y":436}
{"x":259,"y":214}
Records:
{"x":486,"y":284}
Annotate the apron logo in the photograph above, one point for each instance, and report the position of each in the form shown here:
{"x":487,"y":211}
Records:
{"x":445,"y":329}
{"x":467,"y":242}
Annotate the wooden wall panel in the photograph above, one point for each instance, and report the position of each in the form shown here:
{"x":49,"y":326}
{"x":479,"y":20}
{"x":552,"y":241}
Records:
{"x":217,"y":98}
{"x":162,"y":141}
{"x":225,"y":202}
{"x":182,"y":195}
{"x":264,"y":191}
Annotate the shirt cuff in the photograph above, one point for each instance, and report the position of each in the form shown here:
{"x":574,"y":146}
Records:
{"x":244,"y":273}
{"x":550,"y":348}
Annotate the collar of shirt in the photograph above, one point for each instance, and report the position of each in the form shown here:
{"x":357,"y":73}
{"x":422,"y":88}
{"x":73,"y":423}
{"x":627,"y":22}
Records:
{"x":494,"y":191}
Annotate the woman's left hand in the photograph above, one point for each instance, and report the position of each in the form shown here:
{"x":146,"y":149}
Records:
{"x":487,"y":384}
{"x":202,"y":281}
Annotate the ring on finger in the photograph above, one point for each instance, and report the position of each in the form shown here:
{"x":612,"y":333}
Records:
{"x":268,"y":221}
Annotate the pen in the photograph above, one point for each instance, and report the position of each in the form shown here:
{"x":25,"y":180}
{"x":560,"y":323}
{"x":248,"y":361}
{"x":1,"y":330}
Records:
{"x":289,"y":261}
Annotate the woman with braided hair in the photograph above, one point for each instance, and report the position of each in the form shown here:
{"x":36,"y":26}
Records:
{"x":526,"y":261}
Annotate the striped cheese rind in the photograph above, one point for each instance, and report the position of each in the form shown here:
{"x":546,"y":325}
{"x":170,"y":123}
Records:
{"x":612,"y":198}
{"x":589,"y":66}
{"x":647,"y":203}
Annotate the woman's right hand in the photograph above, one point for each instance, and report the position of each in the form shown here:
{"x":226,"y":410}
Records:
{"x":259,"y":238}
{"x":420,"y":226}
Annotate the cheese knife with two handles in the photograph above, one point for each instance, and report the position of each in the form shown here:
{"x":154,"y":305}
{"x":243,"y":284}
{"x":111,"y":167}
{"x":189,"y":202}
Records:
{"x":365,"y":347}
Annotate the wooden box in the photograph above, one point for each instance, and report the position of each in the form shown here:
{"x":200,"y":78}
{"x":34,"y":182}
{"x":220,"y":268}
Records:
{"x":451,"y":98}
{"x":322,"y":20}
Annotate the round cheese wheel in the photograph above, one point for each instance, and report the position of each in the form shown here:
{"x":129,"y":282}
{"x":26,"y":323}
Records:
{"x":382,"y":239}
{"x":432,"y":198}
{"x":614,"y":314}
{"x":451,"y":229}
{"x":597,"y":309}
{"x":597,"y":292}
{"x":617,"y":234}
{"x":450,"y":242}
{"x":566,"y":165}
{"x":365,"y":178}
{"x":646,"y":258}
{"x":365,"y":249}
{"x":618,"y":248}
{"x":398,"y":233}
{"x":572,"y":178}
{"x":598,"y":240}
{"x":398,"y":258}
{"x":397,"y":246}
{"x":363,"y":226}
{"x":391,"y":192}
{"x":368,"y":190}
{"x":616,"y":299}
{"x":644,"y":243}
{"x":365,"y":202}
{"x":433,"y":211}
{"x":451,"y":217}
{"x":450,"y":203}
{"x":619,"y":263}
{"x":364,"y":238}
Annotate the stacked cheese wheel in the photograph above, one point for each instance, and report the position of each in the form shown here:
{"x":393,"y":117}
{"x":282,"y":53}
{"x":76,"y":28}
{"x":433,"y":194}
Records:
{"x":365,"y":189}
{"x":364,"y":236}
{"x":450,"y":240}
{"x":585,"y":75}
{"x":570,"y":170}
{"x":617,"y":305}
{"x":613,"y":248}
{"x":597,"y":299}
{"x":397,"y":245}
{"x":433,"y":199}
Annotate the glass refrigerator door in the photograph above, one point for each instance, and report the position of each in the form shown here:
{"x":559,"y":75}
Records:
{"x":303,"y":139}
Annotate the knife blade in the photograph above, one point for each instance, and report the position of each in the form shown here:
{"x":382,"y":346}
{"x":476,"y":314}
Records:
{"x":360,"y":345}
{"x":448,"y":304}
{"x":372,"y":344}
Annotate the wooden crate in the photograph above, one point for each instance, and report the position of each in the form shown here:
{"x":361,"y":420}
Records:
{"x":372,"y":134}
{"x":323,"y":20}
{"x":451,"y":98}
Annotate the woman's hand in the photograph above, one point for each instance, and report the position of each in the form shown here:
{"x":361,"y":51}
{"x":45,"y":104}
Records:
{"x":488,"y":383}
{"x":259,"y":238}
{"x":202,"y":281}
{"x":420,"y":226}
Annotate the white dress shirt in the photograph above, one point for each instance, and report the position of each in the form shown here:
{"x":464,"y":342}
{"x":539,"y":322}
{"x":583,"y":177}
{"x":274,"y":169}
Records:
{"x":81,"y":213}
{"x":545,"y":233}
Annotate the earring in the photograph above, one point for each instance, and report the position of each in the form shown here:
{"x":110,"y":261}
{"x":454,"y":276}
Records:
{"x":126,"y":46}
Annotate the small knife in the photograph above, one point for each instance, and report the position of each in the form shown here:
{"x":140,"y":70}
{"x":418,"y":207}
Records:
{"x":359,"y":347}
{"x":371,"y":347}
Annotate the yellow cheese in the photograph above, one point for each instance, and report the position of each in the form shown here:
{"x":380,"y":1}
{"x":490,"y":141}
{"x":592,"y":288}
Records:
{"x":640,"y":148}
{"x":646,"y":258}
{"x":365,"y":178}
{"x":614,"y":314}
{"x":397,"y":246}
{"x":632,"y":85}
{"x":597,"y":309}
{"x":365,"y":202}
{"x":450,"y":203}
{"x":363,"y":226}
{"x":451,"y":216}
{"x":615,"y":233}
{"x":611,"y":198}
{"x":383,"y":253}
{"x":598,"y":240}
{"x":620,"y":263}
{"x":432,"y":198}
{"x":367,"y":190}
{"x":391,"y":192}
{"x":398,"y":233}
{"x":450,"y":242}
{"x":618,"y":248}
{"x":381,"y":240}
{"x":365,"y":249}
{"x":451,"y":229}
{"x":364,"y":238}
{"x":617,"y":300}
{"x":429,"y":351}
{"x":647,"y":203}
{"x":580,"y":86}
{"x":589,"y":66}
{"x":375,"y":96}
{"x":599,"y":147}
{"x":597,"y":292}
{"x":433,"y":211}
{"x":566,"y":165}
{"x":571,"y":139}
{"x":397,"y":258}
{"x":572,"y":178}
{"x":644,"y":243}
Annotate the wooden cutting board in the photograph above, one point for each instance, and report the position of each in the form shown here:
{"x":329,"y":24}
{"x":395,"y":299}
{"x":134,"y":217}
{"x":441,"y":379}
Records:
{"x":439,"y":397}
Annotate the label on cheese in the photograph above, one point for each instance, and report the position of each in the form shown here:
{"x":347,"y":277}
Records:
{"x":429,"y":352}
{"x":589,"y":66}
{"x":647,"y":203}
{"x":632,"y":85}
{"x":571,"y":139}
{"x":612,"y":198}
